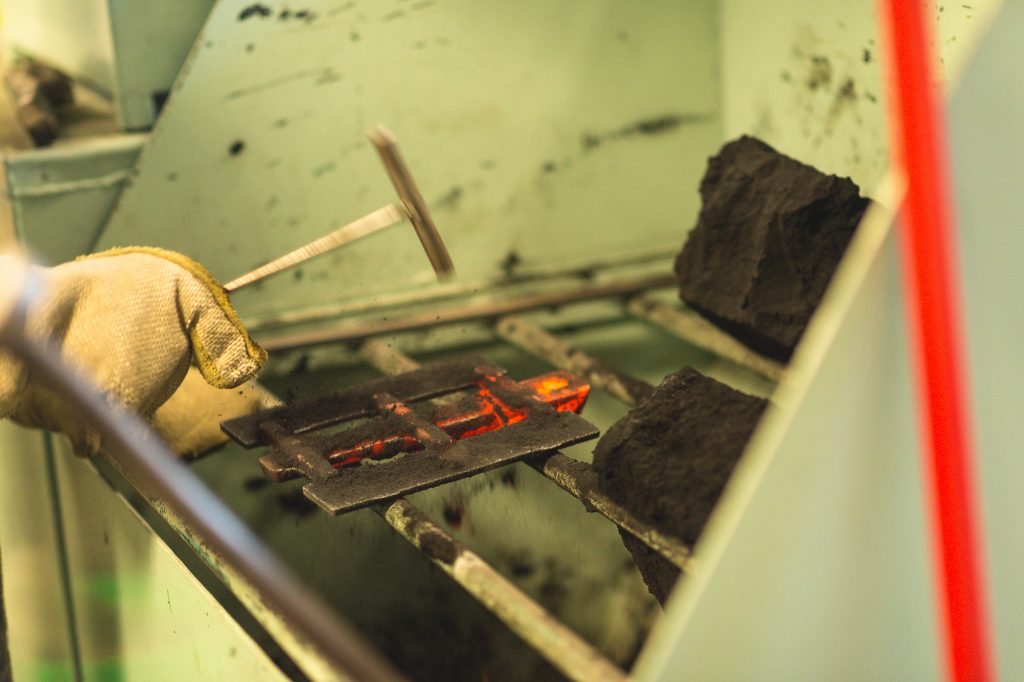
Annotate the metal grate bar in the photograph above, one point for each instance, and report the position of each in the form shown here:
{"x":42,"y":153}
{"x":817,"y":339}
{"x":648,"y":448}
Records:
{"x":546,"y":346}
{"x":360,"y":331}
{"x":691,"y":327}
{"x":563,"y":648}
{"x":571,"y":475}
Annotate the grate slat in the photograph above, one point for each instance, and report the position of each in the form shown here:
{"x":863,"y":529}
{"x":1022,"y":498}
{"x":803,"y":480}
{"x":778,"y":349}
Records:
{"x":692,"y":328}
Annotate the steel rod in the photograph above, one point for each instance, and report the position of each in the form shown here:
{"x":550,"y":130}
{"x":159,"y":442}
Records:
{"x":692,"y":328}
{"x":547,"y":346}
{"x":573,"y":272}
{"x":371,"y":222}
{"x":255,"y":574}
{"x":469,"y":313}
{"x":571,"y":475}
{"x":559,"y":645}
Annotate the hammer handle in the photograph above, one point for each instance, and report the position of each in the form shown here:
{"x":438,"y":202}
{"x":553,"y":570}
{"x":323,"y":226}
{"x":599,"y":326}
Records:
{"x":368,"y":224}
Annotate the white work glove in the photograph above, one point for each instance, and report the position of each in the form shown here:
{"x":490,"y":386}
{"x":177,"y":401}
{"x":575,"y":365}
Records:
{"x":132,"y":321}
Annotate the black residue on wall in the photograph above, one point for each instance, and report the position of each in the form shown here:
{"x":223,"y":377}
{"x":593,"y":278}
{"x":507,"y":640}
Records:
{"x":510,"y":262}
{"x":324,"y":169}
{"x":295,"y":502}
{"x":453,"y":515}
{"x":328,"y":76}
{"x":236,"y":148}
{"x":255,"y":483}
{"x":549,"y":167}
{"x":450,"y":200}
{"x":254,"y":10}
{"x":298,"y":15}
{"x":301,"y":366}
{"x":866,"y":56}
{"x":650,"y":126}
{"x":820,"y":73}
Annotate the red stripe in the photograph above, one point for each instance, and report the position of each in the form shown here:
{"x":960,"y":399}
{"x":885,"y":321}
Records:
{"x":936,"y":332}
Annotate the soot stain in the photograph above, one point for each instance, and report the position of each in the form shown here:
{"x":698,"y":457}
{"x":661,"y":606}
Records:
{"x":510,"y":262}
{"x":549,"y":167}
{"x":657,"y":125}
{"x":301,"y":366}
{"x":453,"y":514}
{"x":819,"y":75}
{"x":236,"y":148}
{"x":520,"y":565}
{"x":305,"y":15}
{"x":254,"y":10}
{"x":324,"y":169}
{"x":295,"y":502}
{"x":508,"y":477}
{"x":327,"y":76}
{"x":450,"y":200}
{"x":255,"y":483}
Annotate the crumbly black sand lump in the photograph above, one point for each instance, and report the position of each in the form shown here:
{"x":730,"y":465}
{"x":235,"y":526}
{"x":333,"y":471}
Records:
{"x":770,"y":235}
{"x":668,"y":460}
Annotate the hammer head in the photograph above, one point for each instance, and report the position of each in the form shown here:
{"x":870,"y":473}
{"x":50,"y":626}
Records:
{"x":415,"y":207}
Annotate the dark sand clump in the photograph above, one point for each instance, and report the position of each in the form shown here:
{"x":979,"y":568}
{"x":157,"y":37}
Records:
{"x":770,"y":235}
{"x":668,"y":460}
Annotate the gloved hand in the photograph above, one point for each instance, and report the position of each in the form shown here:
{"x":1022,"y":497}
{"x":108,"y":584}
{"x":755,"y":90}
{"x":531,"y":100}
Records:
{"x":131,"y":320}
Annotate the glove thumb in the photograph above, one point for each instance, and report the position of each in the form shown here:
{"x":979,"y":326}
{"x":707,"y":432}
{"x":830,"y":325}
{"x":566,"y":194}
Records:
{"x":225,"y":353}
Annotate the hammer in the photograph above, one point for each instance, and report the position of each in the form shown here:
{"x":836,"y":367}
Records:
{"x":410,"y":206}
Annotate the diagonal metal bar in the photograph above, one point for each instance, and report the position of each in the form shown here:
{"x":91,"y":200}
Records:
{"x":692,"y":328}
{"x":562,"y":647}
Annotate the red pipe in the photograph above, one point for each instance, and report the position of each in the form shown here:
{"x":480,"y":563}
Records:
{"x":937,"y":338}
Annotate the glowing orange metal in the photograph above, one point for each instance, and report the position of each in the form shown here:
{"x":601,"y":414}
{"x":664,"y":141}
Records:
{"x":474,"y":415}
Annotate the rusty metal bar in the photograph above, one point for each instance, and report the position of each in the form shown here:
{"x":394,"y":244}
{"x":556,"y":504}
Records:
{"x":563,"y":648}
{"x":580,"y":480}
{"x":485,"y":311}
{"x":546,"y":346}
{"x":691,"y":327}
{"x":571,"y":475}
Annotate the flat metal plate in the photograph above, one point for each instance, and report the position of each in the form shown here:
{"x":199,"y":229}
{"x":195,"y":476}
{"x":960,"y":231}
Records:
{"x":361,"y":486}
{"x":516,"y":422}
{"x":427,"y":382}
